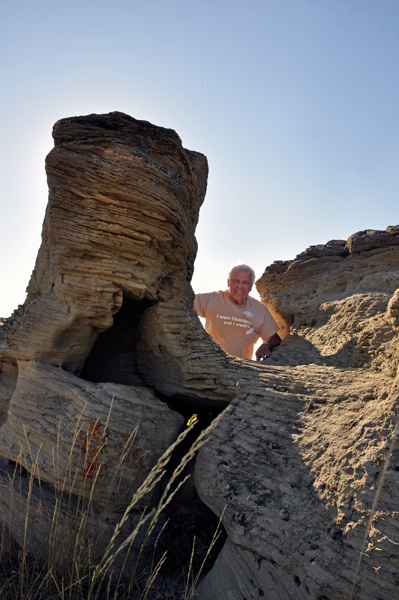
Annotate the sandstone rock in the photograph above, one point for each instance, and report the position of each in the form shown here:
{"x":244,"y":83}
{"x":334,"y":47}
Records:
{"x":363,"y":241}
{"x":46,"y":522}
{"x":295,"y":465}
{"x":336,"y":304}
{"x":109,"y":319}
{"x":117,"y":243}
{"x":124,"y":199}
{"x":71,"y":432}
{"x":290,"y":466}
{"x":393,"y":311}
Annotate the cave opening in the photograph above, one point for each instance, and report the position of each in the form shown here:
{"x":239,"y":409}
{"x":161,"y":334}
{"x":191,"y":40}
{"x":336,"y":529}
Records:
{"x":113,"y":357}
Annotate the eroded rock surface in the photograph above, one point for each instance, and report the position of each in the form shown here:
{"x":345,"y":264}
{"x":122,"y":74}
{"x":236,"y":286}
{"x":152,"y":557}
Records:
{"x":111,"y":276}
{"x":109,"y":321}
{"x":296,"y":463}
{"x":339,"y":302}
{"x":70,"y":431}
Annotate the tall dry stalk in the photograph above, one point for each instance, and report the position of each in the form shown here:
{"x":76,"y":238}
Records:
{"x":68,"y":564}
{"x":152,"y":479}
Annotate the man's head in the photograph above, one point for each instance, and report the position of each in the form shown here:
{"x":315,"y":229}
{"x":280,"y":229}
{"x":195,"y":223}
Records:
{"x":240,"y":282}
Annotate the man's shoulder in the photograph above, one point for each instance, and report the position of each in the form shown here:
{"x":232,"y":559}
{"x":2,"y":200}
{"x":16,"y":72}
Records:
{"x":211,"y":301}
{"x":211,"y":295}
{"x":256,"y":306}
{"x":254,"y":302}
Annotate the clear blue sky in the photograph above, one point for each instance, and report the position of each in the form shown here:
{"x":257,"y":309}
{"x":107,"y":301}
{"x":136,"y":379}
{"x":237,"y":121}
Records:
{"x":294,"y":102}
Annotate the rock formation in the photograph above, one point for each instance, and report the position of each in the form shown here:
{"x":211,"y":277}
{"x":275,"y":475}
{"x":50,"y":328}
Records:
{"x":112,"y":274}
{"x":107,"y":341}
{"x":296,"y":464}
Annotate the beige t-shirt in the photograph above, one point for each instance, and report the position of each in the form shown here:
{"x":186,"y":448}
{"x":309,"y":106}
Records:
{"x":234,"y":327}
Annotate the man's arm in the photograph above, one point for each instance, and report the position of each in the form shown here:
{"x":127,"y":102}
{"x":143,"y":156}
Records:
{"x":200,"y":303}
{"x":264,"y":351}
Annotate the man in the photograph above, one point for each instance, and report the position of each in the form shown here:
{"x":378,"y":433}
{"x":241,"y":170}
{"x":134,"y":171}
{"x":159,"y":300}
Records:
{"x":235,"y":320}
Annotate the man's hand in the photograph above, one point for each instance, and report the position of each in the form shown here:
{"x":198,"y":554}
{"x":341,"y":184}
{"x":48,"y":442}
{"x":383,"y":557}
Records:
{"x":263,"y":352}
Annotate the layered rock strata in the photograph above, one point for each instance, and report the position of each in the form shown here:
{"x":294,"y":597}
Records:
{"x":297,"y":463}
{"x":111,"y":277}
{"x":339,"y":301}
{"x":124,"y":199}
{"x":108,"y":332}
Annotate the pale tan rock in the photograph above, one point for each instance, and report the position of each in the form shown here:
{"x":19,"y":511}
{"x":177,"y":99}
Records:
{"x":296,"y":469}
{"x":48,"y":523}
{"x":118,"y":239}
{"x":71,"y":432}
{"x":110,"y":313}
{"x":8,"y":380}
{"x":297,"y":461}
{"x":334,"y":300}
{"x":393,"y":311}
{"x":124,"y":198}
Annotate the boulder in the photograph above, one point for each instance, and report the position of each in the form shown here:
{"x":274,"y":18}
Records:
{"x":124,"y":199}
{"x":339,"y":306}
{"x":72,"y":433}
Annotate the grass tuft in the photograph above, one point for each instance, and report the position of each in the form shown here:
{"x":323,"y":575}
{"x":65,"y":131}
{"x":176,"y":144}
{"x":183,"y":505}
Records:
{"x":61,"y":547}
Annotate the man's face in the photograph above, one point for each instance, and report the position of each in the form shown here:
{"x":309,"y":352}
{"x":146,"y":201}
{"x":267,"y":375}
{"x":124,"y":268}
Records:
{"x":240,"y":284}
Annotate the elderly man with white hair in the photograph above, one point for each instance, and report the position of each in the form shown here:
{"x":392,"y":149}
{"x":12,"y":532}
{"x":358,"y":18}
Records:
{"x":235,"y":320}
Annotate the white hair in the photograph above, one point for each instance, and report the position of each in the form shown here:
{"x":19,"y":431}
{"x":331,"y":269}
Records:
{"x":244,"y":268}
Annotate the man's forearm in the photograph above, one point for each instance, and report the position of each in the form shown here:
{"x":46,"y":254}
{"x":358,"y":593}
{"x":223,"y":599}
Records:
{"x":273,"y":341}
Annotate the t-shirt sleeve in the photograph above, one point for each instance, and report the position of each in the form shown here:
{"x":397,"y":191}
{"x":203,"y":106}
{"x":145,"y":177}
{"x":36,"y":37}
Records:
{"x":201,"y":303}
{"x":269,"y":327}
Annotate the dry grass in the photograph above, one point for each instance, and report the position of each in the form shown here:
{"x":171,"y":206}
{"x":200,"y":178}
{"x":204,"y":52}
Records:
{"x":63,"y":554}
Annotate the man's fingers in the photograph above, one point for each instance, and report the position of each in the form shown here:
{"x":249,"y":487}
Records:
{"x":263,"y":352}
{"x":263,"y":356}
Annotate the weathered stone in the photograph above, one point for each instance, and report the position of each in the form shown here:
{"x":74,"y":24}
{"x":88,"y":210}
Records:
{"x":336,"y":305}
{"x":290,"y":467}
{"x":332,"y":248}
{"x":393,"y":311}
{"x":124,"y":198}
{"x":71,"y":432}
{"x":46,"y":522}
{"x":118,"y":241}
{"x":296,"y":463}
{"x":363,"y":241}
{"x":109,"y":319}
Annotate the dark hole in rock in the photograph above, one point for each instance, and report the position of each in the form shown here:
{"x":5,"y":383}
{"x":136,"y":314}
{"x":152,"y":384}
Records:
{"x":190,"y":534}
{"x":297,"y":580}
{"x":190,"y":521}
{"x":113,"y":358}
{"x":15,"y":467}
